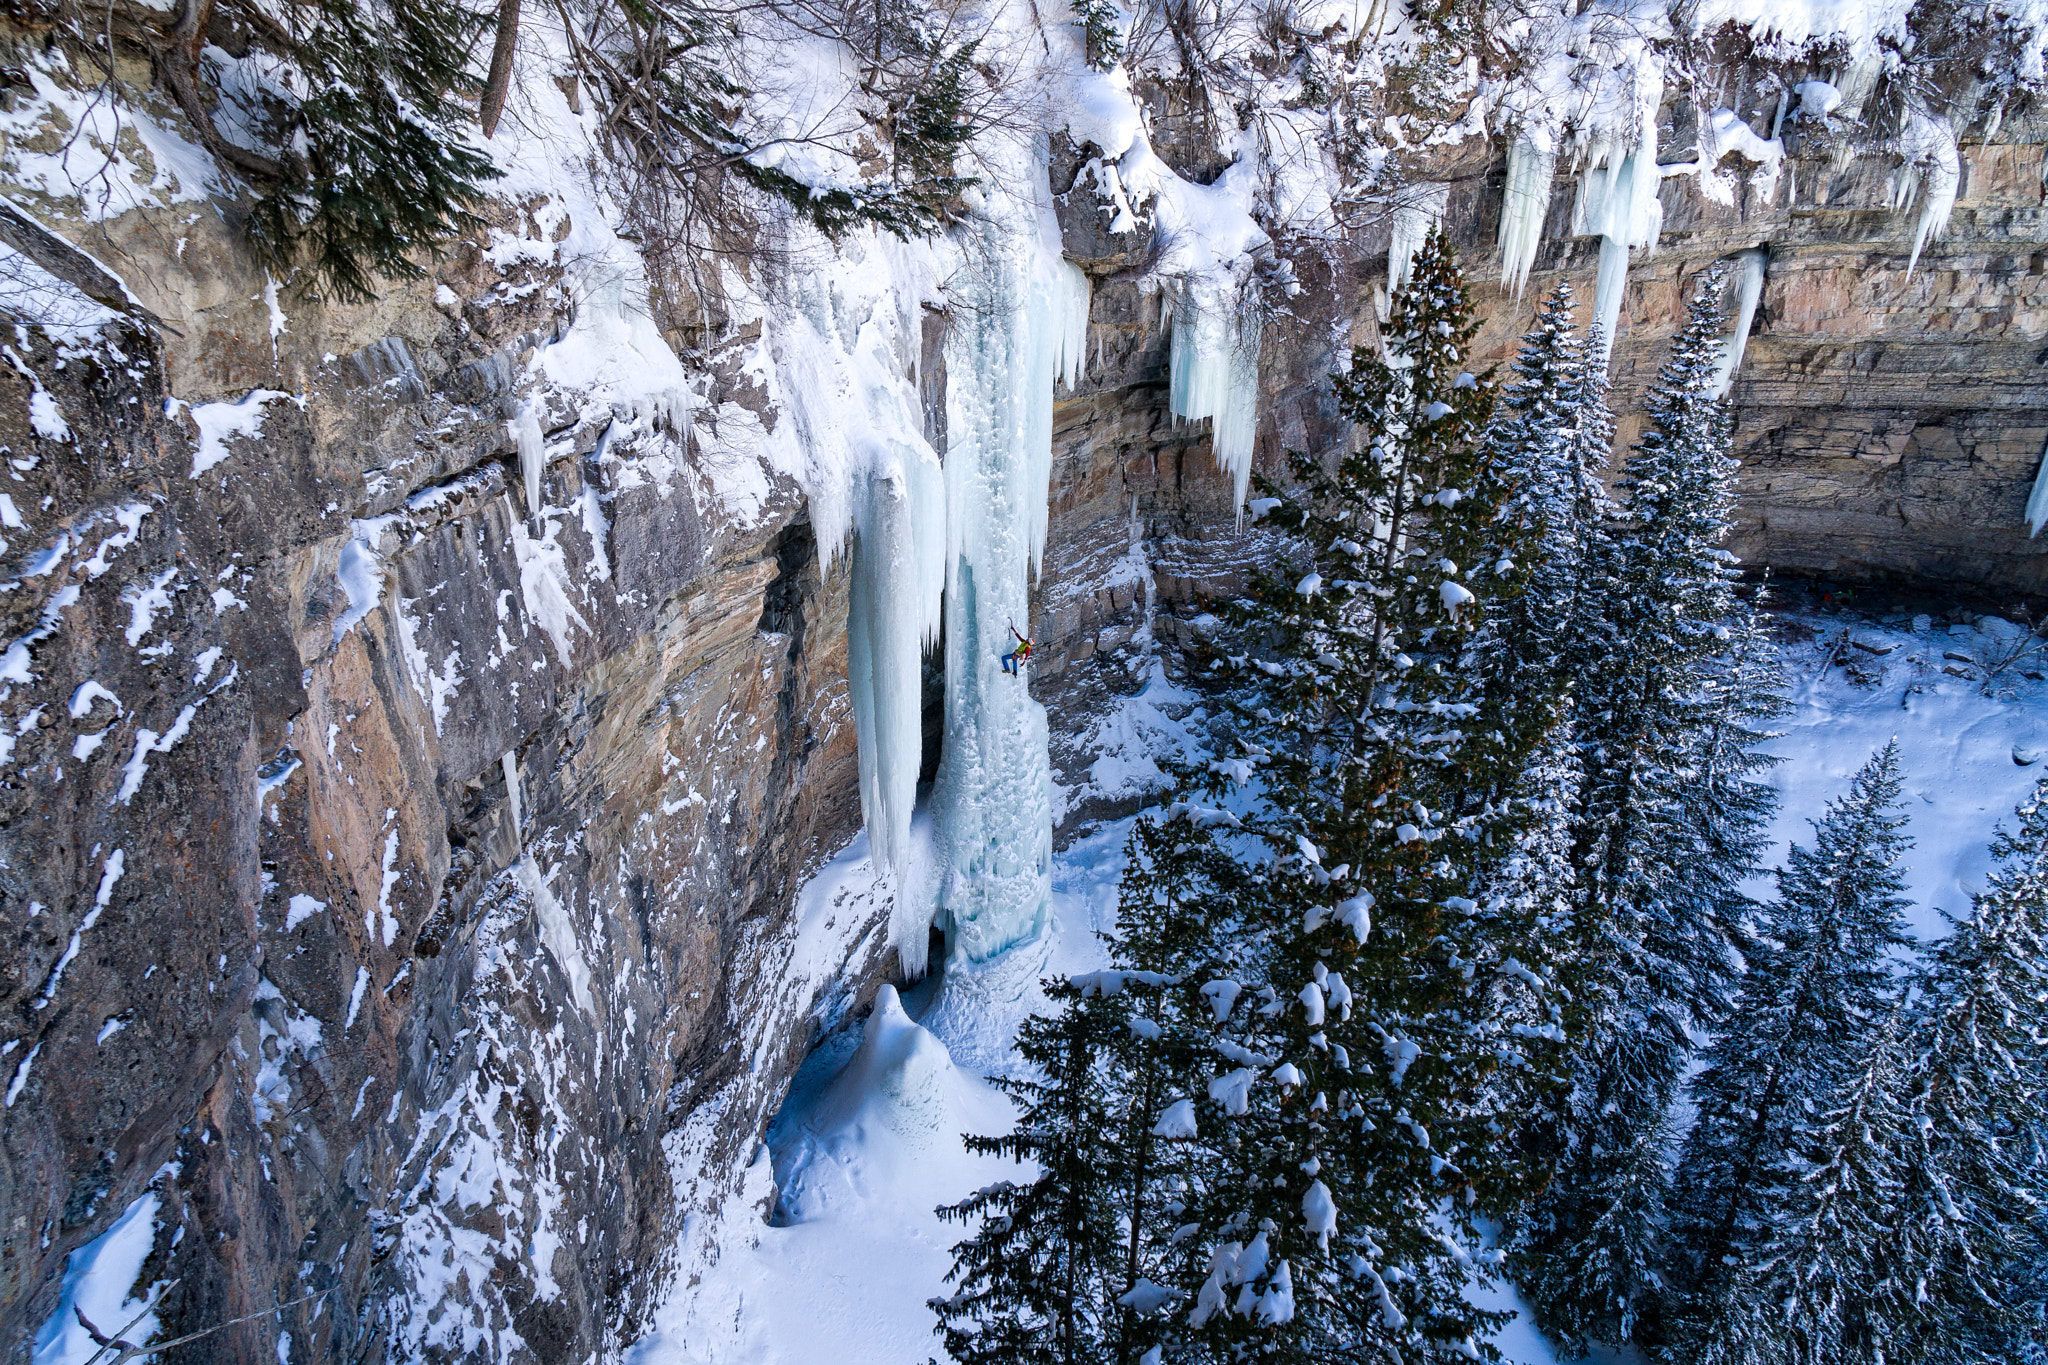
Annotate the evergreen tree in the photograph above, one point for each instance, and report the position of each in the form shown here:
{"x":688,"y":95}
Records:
{"x":1817,"y":987}
{"x":1674,"y":685}
{"x":1968,"y":1239}
{"x":372,"y":163}
{"x":1398,"y":979}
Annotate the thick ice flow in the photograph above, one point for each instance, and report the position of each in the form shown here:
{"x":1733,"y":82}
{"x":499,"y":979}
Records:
{"x":1215,"y":370}
{"x":1019,"y":323}
{"x":874,"y":480}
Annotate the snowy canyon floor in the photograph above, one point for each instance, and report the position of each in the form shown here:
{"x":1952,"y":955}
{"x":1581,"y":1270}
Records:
{"x":868,"y":1141}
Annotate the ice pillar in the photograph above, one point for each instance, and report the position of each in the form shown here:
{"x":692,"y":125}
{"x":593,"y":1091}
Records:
{"x":1019,"y":322}
{"x":2037,"y":503}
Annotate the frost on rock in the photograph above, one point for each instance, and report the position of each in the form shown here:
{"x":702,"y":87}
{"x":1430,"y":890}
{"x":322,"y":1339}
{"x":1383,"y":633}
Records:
{"x":1750,"y":288}
{"x":1215,"y":370}
{"x":1019,"y":328}
{"x":1532,"y":162}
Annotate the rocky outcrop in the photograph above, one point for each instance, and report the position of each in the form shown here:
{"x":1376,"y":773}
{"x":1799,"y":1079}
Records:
{"x":395,"y":865}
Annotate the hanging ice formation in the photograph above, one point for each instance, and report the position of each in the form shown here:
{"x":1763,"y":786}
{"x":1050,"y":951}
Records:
{"x":1931,"y":176}
{"x":875,"y":480}
{"x":1618,"y":202}
{"x":1019,"y":322}
{"x":1420,"y":209}
{"x":1532,"y":162}
{"x":1749,"y":288}
{"x":2037,"y":504}
{"x":1215,"y":369}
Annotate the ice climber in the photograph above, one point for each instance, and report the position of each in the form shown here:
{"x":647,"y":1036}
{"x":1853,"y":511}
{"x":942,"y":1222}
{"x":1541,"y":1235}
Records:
{"x":1020,"y":655}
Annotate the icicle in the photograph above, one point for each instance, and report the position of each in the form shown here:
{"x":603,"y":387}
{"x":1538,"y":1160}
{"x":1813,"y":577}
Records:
{"x":1420,"y":209}
{"x":2037,"y":505}
{"x":1215,"y":372}
{"x":1750,"y":285}
{"x":1608,"y":289}
{"x":532,"y":445}
{"x":1932,"y":174}
{"x":1523,"y":209}
{"x":1617,"y":201}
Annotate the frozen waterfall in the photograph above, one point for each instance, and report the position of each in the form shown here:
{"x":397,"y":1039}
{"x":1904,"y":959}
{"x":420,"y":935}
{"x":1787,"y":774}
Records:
{"x":1931,"y":176}
{"x":874,"y":480}
{"x":1420,"y":209}
{"x":1749,"y":289}
{"x":1020,"y":321}
{"x":1215,"y":370}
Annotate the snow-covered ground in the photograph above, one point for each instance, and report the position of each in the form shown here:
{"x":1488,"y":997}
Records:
{"x":868,"y":1144}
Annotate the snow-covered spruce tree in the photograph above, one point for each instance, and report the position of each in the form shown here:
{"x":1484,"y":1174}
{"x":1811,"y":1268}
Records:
{"x":1080,"y":1263}
{"x":1674,"y":686}
{"x":1818,"y":987}
{"x":1969,"y":1232}
{"x":1390,"y":1015}
{"x":1821,"y":1287}
{"x":1034,"y":1281}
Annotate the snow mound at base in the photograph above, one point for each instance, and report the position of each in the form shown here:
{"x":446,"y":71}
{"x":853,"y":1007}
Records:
{"x":867,"y":1127}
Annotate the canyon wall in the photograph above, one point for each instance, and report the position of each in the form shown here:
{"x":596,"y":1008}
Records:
{"x":410,"y":773}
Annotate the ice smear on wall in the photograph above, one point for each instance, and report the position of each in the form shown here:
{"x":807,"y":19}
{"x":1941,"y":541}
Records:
{"x":1750,"y":287}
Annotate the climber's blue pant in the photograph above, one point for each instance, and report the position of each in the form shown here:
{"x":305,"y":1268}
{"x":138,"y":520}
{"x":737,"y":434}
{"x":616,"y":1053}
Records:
{"x":1010,"y":663}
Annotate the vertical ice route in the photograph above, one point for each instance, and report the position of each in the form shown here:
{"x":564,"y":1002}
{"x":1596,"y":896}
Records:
{"x":1019,"y":323}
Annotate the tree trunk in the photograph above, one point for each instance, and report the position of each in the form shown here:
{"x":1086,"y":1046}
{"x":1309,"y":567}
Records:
{"x":499,"y":82}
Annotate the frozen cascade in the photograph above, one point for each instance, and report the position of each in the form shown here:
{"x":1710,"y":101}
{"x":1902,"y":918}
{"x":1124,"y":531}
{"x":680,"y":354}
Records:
{"x":874,"y":480}
{"x":1931,"y":175}
{"x":1215,"y":371}
{"x":2037,"y":503}
{"x":1617,"y":201}
{"x":1019,"y":323}
{"x":1420,"y":209}
{"x":1750,"y":287}
{"x":1523,"y":209}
